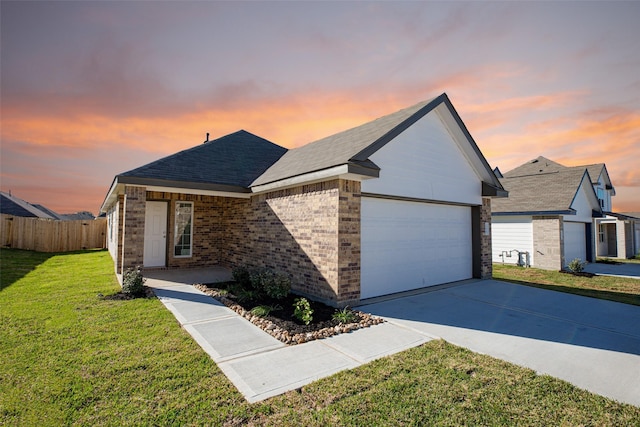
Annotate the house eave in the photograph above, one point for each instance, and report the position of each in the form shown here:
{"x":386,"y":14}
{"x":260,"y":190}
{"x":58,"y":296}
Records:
{"x":490,"y":190}
{"x":534,"y":213}
{"x":355,"y":171}
{"x":172,"y":186}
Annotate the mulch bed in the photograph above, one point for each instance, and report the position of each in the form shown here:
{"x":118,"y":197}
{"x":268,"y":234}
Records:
{"x":580,"y":273}
{"x":284,"y":326}
{"x":121,"y":296}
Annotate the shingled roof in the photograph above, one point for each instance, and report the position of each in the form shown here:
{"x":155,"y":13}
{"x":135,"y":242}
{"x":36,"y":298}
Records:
{"x":229,"y":163}
{"x":12,"y":205}
{"x":341,"y":148}
{"x":540,"y":193}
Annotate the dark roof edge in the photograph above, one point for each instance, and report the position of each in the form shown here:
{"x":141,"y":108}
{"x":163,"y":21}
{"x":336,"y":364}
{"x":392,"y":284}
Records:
{"x":435,"y":102}
{"x":567,"y":212}
{"x":621,"y":216}
{"x":489,"y":190}
{"x":387,"y":137}
{"x":133,"y":180}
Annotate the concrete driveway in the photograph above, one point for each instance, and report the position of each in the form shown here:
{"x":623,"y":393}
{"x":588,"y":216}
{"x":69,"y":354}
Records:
{"x":591,"y":343}
{"x":629,"y":270}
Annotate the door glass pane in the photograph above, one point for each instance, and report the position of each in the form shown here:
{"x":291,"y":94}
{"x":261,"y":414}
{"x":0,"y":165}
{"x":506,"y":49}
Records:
{"x":182,"y":240}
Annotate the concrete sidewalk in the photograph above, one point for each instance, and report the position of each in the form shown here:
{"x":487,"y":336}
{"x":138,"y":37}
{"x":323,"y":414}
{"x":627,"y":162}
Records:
{"x":591,"y":343}
{"x":625,"y":269}
{"x":261,"y":366}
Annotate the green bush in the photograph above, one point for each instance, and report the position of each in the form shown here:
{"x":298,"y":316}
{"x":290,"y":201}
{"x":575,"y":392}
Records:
{"x":133,"y":282}
{"x":576,"y":265}
{"x":302,"y":310}
{"x":274,"y":285}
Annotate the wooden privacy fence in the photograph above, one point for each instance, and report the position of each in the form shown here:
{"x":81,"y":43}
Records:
{"x":46,"y":235}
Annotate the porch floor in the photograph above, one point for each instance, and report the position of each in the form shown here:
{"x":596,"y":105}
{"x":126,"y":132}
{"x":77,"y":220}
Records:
{"x":189,"y":276}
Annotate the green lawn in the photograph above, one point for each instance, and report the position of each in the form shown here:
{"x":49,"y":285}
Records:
{"x":605,"y":287}
{"x":69,"y":357}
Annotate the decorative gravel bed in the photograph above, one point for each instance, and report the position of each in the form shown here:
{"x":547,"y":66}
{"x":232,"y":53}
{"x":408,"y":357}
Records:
{"x":283,"y":326}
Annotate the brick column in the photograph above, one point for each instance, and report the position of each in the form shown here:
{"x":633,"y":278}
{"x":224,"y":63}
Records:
{"x":120,"y":208}
{"x":486,"y":266}
{"x":133,"y":227}
{"x":548,"y":244}
{"x":349,"y":202}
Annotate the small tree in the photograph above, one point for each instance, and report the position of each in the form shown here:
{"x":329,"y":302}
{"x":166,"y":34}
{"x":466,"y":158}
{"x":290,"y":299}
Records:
{"x":576,"y":265}
{"x":133,"y":282}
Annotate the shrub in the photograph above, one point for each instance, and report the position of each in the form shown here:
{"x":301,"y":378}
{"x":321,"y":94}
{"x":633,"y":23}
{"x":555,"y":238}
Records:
{"x":302,"y":310}
{"x":576,"y":265}
{"x":264,"y":310}
{"x":247,"y":295}
{"x":242,"y":275}
{"x":345,"y":316}
{"x":133,"y":282}
{"x":274,"y":285}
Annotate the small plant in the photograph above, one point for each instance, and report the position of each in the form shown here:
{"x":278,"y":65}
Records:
{"x":242,"y":275}
{"x":247,"y":295}
{"x":133,"y":282}
{"x":302,"y":310}
{"x":345,"y":316}
{"x":576,"y":265}
{"x":264,"y":310}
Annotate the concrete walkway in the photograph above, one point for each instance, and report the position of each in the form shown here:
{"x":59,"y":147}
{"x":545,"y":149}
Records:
{"x":627,"y":269}
{"x":591,"y":343}
{"x":256,"y":363}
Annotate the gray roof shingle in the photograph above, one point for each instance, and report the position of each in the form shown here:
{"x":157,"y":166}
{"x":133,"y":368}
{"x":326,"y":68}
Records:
{"x":540,"y":192}
{"x":341,"y":148}
{"x":234,"y":160}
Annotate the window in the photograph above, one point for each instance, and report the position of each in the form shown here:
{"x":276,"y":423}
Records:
{"x":601,"y":233}
{"x":601,"y":197}
{"x":183,"y":236}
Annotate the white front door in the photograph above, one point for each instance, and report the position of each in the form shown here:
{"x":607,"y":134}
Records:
{"x":155,"y":234}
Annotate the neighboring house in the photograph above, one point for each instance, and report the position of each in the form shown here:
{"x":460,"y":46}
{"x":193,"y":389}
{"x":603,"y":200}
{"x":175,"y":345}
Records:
{"x":15,"y":206}
{"x":399,"y":203}
{"x":556,"y":214}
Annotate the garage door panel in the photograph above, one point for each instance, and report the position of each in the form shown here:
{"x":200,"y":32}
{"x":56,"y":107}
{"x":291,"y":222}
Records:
{"x":409,"y":245}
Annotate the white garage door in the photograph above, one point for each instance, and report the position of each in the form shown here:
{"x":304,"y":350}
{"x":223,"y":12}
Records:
{"x":409,"y":245}
{"x":575,"y":245}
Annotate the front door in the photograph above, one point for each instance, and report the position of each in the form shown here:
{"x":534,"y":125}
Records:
{"x":155,"y":234}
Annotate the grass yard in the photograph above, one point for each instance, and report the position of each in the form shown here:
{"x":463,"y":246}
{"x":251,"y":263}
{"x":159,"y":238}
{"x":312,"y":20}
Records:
{"x":605,"y":287}
{"x":69,"y":357}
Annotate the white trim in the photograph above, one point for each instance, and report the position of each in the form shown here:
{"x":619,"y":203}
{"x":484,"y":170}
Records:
{"x":175,"y":231}
{"x":335,"y":172}
{"x":180,"y":190}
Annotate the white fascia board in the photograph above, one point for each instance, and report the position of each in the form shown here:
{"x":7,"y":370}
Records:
{"x":118,"y":188}
{"x":193,"y":191}
{"x":335,"y":172}
{"x":112,"y":196}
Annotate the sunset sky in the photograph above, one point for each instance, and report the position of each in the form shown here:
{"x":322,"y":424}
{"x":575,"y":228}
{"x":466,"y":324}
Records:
{"x":92,"y":89}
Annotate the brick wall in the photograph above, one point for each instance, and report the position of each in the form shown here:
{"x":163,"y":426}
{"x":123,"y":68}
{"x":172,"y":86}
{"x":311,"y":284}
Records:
{"x":349,"y":202}
{"x":311,"y":232}
{"x":207,"y":244}
{"x":133,"y":227}
{"x":486,"y":265}
{"x":548,"y":245}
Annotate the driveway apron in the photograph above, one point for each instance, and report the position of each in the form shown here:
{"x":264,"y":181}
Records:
{"x":591,"y":343}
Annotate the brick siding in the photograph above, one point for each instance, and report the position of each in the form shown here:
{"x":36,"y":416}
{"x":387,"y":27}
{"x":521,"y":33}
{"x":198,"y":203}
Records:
{"x":486,"y":264}
{"x":548,"y":246}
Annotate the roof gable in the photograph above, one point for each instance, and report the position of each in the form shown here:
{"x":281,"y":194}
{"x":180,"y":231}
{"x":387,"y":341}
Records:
{"x":552,"y":192}
{"x":234,"y":160}
{"x":355,"y":146}
{"x":539,"y":165}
